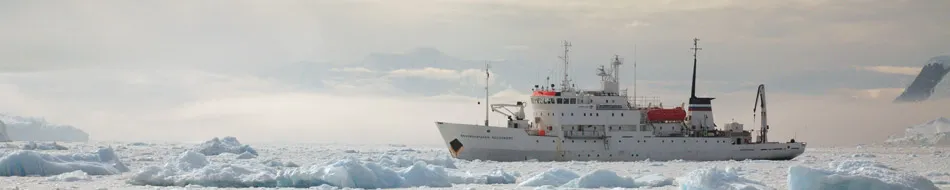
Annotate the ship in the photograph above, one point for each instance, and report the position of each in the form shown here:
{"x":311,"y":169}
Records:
{"x":926,"y":82}
{"x":570,"y":124}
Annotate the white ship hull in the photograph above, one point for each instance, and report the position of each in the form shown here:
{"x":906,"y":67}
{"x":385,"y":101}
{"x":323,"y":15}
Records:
{"x":476,"y":142}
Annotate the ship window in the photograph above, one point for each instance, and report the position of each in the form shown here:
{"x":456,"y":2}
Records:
{"x":621,"y":114}
{"x":562,"y":114}
{"x":585,"y":114}
{"x":559,"y":100}
{"x":573,"y":100}
{"x":611,"y":114}
{"x":606,"y":101}
{"x":598,"y":114}
{"x":572,"y":114}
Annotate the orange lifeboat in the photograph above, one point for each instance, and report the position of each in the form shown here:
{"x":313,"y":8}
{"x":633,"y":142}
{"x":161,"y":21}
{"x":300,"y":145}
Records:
{"x":544,"y":93}
{"x":661,"y":114}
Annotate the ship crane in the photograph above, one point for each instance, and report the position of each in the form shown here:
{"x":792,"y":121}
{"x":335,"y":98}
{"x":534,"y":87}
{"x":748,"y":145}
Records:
{"x":764,"y":130}
{"x":503,"y":108}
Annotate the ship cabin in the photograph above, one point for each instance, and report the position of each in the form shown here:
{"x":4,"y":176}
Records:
{"x":570,"y":113}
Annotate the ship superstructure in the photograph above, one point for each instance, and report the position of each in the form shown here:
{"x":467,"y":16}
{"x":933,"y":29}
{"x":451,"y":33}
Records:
{"x":608,"y":125}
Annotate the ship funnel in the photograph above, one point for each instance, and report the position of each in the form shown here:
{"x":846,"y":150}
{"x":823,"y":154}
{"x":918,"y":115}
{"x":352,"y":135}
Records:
{"x":700,"y":109}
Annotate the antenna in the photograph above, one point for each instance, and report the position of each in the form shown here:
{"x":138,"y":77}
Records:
{"x":565,"y":84}
{"x":634,"y":74}
{"x":487,"y":67}
{"x":695,"y":50}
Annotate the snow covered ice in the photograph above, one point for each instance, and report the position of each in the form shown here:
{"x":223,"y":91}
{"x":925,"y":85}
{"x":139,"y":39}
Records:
{"x":931,"y":133}
{"x":856,"y":174}
{"x":335,"y":166}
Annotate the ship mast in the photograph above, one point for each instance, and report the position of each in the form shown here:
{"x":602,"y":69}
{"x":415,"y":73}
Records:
{"x":635,"y":75}
{"x":566,"y":83}
{"x":695,"y":50}
{"x":487,"y":104}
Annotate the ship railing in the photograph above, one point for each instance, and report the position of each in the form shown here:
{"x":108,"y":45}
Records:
{"x":645,"y":101}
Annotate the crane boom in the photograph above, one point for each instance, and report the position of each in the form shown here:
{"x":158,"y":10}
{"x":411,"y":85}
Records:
{"x":763,"y":132}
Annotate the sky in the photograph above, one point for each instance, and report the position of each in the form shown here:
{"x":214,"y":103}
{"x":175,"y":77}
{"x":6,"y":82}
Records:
{"x":370,"y":71}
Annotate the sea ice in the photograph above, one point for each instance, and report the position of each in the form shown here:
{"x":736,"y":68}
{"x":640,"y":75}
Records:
{"x":552,"y":177}
{"x":43,"y":146}
{"x":193,"y":168}
{"x":227,"y":144}
{"x":33,"y":163}
{"x":855,"y":174}
{"x":77,"y":175}
{"x":931,"y":133}
{"x":713,"y":178}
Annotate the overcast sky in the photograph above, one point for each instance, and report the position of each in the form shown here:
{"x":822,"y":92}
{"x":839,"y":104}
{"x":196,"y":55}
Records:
{"x":368,"y":71}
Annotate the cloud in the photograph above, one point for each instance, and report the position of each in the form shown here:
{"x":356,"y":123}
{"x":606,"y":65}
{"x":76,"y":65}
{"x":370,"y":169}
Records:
{"x":353,"y":70}
{"x":911,"y":71}
{"x":312,"y":70}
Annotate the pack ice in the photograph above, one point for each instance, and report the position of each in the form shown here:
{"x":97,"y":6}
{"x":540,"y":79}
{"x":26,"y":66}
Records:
{"x":193,"y":167}
{"x":931,"y":133}
{"x":855,"y":174}
{"x":34,"y":163}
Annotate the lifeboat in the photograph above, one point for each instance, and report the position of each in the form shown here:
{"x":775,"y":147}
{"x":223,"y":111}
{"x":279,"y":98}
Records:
{"x":661,"y":114}
{"x":544,"y":93}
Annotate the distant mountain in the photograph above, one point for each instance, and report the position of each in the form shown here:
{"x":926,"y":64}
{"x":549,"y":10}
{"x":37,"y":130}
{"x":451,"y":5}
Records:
{"x":935,"y":132}
{"x":37,"y":129}
{"x":927,"y":81}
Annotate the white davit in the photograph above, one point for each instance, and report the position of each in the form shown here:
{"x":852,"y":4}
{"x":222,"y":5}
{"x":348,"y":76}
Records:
{"x":604,"y":125}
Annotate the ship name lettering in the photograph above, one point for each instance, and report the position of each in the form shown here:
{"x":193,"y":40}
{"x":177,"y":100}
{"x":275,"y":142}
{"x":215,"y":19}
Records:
{"x":487,"y":137}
